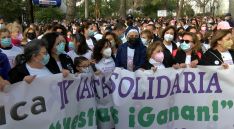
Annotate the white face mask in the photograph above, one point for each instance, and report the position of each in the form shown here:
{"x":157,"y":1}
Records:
{"x":144,"y":41}
{"x":107,"y":53}
{"x":85,"y":70}
{"x":168,"y":37}
{"x":2,"y":26}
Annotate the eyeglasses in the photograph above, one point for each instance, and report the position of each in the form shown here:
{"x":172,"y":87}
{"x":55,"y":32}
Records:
{"x":186,"y":41}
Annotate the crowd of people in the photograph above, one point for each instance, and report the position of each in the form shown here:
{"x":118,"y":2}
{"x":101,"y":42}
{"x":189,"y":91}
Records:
{"x":98,"y":46}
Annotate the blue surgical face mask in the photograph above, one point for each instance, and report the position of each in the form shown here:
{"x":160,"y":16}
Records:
{"x":60,"y":48}
{"x":6,"y":42}
{"x":45,"y":59}
{"x":185,"y":46}
{"x":91,"y":33}
{"x":71,"y":46}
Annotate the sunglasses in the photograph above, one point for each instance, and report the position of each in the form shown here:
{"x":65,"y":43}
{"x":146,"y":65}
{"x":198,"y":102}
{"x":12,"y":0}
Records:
{"x":186,"y":41}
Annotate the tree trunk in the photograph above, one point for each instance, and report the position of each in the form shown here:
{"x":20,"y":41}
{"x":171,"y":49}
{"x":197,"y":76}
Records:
{"x":86,"y":8}
{"x":97,"y":10}
{"x":203,"y":10}
{"x":231,"y":7}
{"x":179,"y":12}
{"x":122,"y":9}
{"x":30,"y":9}
{"x":70,"y":13}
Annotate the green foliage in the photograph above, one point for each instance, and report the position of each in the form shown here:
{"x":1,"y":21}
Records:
{"x":48,"y":14}
{"x":11,"y":9}
{"x":150,"y":9}
{"x":107,"y":9}
{"x":188,"y":11}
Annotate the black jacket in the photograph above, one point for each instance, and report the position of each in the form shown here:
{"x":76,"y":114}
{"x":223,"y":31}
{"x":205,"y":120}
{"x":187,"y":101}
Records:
{"x":66,"y":63}
{"x":180,"y":57}
{"x":213,"y":57}
{"x":18,"y":73}
{"x":168,"y":58}
{"x":138,"y":59}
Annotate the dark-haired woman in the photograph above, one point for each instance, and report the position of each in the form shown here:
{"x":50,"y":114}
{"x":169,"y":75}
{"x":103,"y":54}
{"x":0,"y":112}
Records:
{"x":102,"y":54}
{"x":113,"y":39}
{"x":169,"y":36}
{"x":87,"y":30}
{"x":32,"y":63}
{"x":80,"y":47}
{"x":220,"y":52}
{"x":59,"y":61}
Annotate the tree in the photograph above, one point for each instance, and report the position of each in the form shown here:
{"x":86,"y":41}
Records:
{"x":122,"y":9}
{"x":180,"y":5}
{"x":202,"y":4}
{"x":11,"y":9}
{"x":71,"y":7}
{"x":86,"y":8}
{"x":97,"y":8}
{"x":48,"y":14}
{"x":231,"y":7}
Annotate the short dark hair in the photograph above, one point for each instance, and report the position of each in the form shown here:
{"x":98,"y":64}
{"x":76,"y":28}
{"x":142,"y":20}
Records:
{"x":78,"y":60}
{"x":168,"y":28}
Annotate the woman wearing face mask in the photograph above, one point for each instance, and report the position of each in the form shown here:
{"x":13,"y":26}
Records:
{"x":155,"y":56}
{"x":220,"y":52}
{"x":32,"y":63}
{"x":16,"y":34}
{"x":147,"y":37}
{"x":132,"y":54}
{"x":102,"y":54}
{"x":169,"y":36}
{"x":59,"y":61}
{"x":203,"y":28}
{"x":189,"y":53}
{"x":29,"y":34}
{"x":87,"y":31}
{"x":7,"y":48}
{"x":115,"y":42}
{"x":79,"y":47}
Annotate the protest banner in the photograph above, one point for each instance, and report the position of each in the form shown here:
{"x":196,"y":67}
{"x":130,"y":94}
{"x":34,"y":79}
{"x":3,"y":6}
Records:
{"x":167,"y":99}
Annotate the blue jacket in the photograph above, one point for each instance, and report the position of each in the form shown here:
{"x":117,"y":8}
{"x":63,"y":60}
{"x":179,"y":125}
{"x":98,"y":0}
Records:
{"x":4,"y":66}
{"x":138,"y":59}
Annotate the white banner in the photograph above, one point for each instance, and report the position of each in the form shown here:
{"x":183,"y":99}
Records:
{"x":167,"y":99}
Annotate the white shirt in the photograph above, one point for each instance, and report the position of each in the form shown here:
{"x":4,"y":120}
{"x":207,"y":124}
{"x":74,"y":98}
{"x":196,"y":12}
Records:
{"x":169,"y":47}
{"x":73,"y":54}
{"x":40,"y":37}
{"x":188,"y":59}
{"x":12,"y":53}
{"x":38,"y":72}
{"x":130,"y":54}
{"x":178,"y":44}
{"x":106,"y":65}
{"x":59,"y":65}
{"x":227,"y":58}
{"x":90,"y":43}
